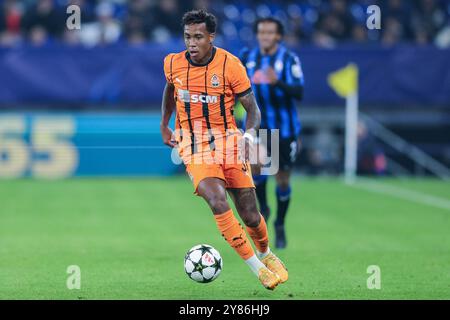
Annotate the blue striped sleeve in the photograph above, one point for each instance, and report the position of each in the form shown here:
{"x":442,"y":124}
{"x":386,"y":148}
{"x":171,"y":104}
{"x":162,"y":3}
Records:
{"x":294,"y":72}
{"x":243,"y":55}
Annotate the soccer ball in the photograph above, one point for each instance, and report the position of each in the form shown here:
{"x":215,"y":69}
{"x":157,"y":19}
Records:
{"x":203,"y":263}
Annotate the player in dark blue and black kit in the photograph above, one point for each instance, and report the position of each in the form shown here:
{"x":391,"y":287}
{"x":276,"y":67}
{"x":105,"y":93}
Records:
{"x":277,"y":80}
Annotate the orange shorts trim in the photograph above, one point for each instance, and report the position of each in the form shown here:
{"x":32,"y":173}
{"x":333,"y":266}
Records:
{"x":235,"y":175}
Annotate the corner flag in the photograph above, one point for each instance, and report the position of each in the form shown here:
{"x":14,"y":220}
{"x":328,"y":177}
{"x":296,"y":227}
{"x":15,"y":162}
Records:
{"x":344,"y":81}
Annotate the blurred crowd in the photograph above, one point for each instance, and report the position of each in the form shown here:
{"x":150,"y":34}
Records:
{"x":324,"y":23}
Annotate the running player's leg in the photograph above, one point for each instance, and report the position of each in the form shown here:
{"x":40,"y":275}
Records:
{"x":283,"y":193}
{"x":245,"y":202}
{"x":289,"y":150}
{"x":214,"y":192}
{"x":260,"y":181}
{"x":261,"y":193}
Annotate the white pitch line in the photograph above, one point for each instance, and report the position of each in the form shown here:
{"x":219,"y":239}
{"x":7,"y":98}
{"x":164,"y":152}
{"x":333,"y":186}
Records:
{"x":402,"y":193}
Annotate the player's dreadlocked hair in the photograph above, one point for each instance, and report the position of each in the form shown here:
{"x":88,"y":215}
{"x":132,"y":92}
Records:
{"x":200,"y":16}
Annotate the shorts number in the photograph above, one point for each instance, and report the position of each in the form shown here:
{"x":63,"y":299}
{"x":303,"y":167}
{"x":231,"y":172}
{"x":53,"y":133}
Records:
{"x":293,"y":153}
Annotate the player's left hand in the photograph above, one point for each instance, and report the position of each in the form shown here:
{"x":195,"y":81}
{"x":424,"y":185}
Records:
{"x":271,"y":75}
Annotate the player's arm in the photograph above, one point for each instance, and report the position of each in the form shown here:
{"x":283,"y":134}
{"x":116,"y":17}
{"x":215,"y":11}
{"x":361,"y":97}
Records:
{"x":294,"y":80}
{"x":167,"y":108}
{"x":248,"y":101}
{"x":293,"y":86}
{"x":294,"y":90}
{"x":242,"y":88}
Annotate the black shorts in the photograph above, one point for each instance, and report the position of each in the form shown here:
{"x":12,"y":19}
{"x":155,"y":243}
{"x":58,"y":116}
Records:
{"x":288,"y":152}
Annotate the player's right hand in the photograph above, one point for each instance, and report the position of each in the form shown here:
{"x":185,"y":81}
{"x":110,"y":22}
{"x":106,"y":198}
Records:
{"x":168,"y":137}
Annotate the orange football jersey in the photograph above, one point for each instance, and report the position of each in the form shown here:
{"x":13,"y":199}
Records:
{"x":205,"y":96}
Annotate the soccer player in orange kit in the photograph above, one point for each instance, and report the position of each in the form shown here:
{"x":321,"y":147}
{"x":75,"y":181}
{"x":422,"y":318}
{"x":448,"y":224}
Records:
{"x":202,"y":82}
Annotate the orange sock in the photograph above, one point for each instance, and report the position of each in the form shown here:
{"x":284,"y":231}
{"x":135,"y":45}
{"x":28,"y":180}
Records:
{"x":260,"y":236}
{"x":234,"y":234}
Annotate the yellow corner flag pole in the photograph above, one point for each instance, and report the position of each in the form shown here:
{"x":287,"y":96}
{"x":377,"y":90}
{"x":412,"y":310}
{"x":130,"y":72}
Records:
{"x":345,"y":83}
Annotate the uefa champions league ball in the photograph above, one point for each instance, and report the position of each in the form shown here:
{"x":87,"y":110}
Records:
{"x":203,"y":263}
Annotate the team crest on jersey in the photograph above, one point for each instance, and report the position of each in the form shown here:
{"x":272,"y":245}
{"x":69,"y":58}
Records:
{"x":278,"y":65}
{"x":250,"y":64}
{"x":215,"y":81}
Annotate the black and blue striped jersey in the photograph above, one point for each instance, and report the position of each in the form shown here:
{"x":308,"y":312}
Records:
{"x":276,"y":102}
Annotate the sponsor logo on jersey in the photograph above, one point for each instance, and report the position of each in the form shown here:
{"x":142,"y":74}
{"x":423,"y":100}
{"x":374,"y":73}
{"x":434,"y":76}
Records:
{"x":185,"y":96}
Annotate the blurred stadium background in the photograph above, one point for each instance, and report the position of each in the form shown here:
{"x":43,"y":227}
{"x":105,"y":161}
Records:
{"x":107,"y":78}
{"x":85,"y":103}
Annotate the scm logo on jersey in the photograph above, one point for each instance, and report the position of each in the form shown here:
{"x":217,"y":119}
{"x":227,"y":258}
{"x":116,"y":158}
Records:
{"x":184,"y":96}
{"x":203,"y":98}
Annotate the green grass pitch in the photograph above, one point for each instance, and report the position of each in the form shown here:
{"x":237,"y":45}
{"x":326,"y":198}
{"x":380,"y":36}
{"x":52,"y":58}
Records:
{"x":129,"y":237}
